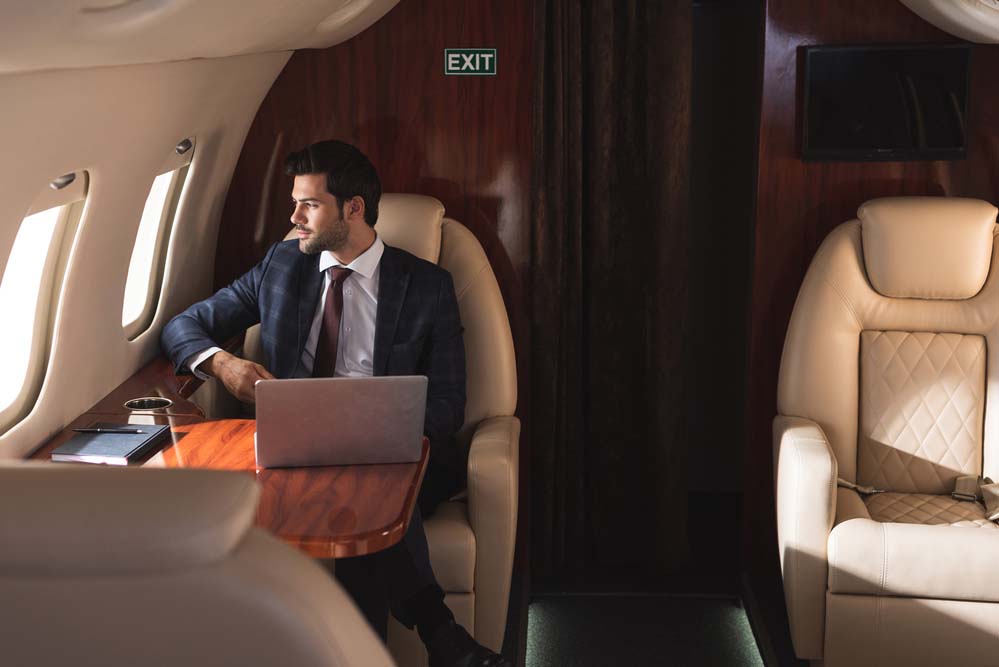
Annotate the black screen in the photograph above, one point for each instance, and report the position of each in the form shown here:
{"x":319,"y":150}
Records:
{"x":885,"y":103}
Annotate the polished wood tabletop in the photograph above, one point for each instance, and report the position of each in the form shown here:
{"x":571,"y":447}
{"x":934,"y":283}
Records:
{"x":327,"y":512}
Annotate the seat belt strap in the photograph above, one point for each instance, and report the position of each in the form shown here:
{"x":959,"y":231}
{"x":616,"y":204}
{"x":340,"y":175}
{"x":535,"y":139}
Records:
{"x":859,"y":488}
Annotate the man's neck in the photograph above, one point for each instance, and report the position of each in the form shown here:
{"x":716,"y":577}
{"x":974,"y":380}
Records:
{"x":354,"y":248}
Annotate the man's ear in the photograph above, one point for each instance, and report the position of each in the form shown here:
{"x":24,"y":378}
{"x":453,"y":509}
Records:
{"x":354,"y":208}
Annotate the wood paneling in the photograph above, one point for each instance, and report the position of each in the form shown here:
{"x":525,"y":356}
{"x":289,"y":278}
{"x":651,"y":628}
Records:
{"x":799,"y":203}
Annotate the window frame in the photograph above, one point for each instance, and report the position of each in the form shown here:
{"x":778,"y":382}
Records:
{"x":179,"y":165}
{"x":72,"y":200}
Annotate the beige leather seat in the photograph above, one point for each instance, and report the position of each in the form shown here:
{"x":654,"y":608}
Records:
{"x":122,"y":567}
{"x":889,"y":379}
{"x":471,"y":540}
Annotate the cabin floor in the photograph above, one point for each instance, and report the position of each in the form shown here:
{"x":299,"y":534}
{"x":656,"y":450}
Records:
{"x":604,"y":630}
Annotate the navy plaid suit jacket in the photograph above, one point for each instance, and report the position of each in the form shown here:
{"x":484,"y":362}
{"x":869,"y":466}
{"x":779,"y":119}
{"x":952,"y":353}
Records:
{"x":417,"y":328}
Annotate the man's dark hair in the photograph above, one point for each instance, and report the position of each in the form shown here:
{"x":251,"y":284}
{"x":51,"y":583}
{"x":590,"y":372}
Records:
{"x":349,"y":173}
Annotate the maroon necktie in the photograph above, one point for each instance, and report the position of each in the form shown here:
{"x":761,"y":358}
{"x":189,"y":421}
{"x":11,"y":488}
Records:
{"x":329,"y":333}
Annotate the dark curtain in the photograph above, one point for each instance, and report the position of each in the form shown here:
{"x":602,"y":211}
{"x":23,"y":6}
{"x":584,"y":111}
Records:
{"x":608,"y":284}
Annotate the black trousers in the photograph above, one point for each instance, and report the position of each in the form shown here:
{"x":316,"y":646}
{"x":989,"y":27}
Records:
{"x":389,"y":579}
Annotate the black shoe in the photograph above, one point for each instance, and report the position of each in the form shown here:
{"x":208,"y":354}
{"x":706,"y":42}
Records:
{"x":451,"y":646}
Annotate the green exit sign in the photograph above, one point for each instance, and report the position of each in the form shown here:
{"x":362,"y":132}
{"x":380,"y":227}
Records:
{"x":470,"y":62}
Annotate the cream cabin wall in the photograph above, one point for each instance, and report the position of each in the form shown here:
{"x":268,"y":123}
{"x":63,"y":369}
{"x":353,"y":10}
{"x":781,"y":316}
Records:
{"x":119,"y":124}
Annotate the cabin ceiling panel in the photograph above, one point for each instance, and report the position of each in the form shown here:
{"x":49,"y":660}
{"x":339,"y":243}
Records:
{"x":973,"y":20}
{"x":55,"y":34}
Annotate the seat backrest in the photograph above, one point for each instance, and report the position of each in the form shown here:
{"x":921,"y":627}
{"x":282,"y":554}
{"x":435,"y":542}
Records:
{"x":416,"y":223}
{"x":892,"y":344}
{"x":160,"y":567}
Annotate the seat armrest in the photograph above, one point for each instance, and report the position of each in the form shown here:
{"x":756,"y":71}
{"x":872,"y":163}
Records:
{"x":493,"y":471}
{"x":806,"y":508}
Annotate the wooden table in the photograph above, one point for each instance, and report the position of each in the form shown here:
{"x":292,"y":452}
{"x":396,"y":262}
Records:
{"x":327,"y":512}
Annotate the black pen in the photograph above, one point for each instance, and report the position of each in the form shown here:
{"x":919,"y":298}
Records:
{"x":109,"y":430}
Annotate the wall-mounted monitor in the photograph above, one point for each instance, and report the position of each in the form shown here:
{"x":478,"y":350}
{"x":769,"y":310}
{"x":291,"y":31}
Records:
{"x":865,"y":103}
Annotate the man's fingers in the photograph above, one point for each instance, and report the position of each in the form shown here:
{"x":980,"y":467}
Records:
{"x":257,"y":373}
{"x":263,"y":372}
{"x":242,"y":376}
{"x":248,"y":388}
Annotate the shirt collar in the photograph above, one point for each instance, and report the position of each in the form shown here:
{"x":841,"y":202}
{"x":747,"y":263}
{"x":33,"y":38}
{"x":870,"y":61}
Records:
{"x":365,"y":264}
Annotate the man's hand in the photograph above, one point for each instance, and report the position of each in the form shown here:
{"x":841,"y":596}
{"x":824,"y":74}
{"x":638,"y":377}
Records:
{"x":238,"y":375}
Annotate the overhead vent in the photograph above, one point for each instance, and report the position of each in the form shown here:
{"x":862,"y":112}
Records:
{"x":973,"y":20}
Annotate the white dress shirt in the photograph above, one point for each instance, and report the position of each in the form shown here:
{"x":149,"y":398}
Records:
{"x":356,"y":344}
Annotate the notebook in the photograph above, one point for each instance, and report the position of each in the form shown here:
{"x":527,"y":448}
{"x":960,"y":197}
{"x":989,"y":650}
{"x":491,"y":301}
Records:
{"x":112,"y":448}
{"x":340,"y":421}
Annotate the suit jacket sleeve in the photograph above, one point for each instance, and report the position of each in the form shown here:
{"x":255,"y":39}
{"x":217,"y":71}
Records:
{"x":216,"y":319}
{"x":446,"y":372}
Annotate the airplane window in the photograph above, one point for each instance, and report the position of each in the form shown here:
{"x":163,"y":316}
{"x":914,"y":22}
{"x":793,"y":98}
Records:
{"x":145,"y":270}
{"x":26,"y":295}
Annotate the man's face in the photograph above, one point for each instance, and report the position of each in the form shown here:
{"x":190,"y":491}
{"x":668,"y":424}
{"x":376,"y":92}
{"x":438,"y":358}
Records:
{"x":317,"y":217}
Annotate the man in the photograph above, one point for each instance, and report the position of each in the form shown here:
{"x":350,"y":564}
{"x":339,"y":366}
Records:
{"x":338,"y":301}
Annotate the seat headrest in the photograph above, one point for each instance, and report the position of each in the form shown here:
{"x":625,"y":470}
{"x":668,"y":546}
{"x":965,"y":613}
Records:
{"x":410,"y":222}
{"x":927,"y":247}
{"x":413,"y":223}
{"x":76,"y":519}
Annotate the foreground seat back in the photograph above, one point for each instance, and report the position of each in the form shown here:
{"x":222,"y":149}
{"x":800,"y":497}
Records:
{"x":889,"y":354}
{"x":123,"y":567}
{"x":471,"y":542}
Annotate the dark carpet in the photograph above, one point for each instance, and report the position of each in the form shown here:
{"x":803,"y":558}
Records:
{"x":609,"y":630}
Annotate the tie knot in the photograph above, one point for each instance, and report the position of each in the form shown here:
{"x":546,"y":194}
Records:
{"x":338,"y":273}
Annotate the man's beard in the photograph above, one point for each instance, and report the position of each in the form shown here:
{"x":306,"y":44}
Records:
{"x":332,"y":239}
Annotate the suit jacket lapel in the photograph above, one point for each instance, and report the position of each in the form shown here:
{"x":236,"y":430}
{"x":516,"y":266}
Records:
{"x":392,"y":283}
{"x":310,"y":283}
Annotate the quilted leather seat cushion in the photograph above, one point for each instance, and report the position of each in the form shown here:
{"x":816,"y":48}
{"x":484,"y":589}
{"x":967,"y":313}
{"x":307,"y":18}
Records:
{"x":452,"y":547}
{"x":921,"y":413}
{"x":926,"y":509}
{"x":933,"y":547}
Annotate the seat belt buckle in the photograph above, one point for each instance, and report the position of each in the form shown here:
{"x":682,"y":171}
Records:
{"x":859,"y":488}
{"x":967,"y":488}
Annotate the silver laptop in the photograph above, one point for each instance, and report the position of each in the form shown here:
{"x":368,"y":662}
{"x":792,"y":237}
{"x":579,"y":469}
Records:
{"x":340,"y":421}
